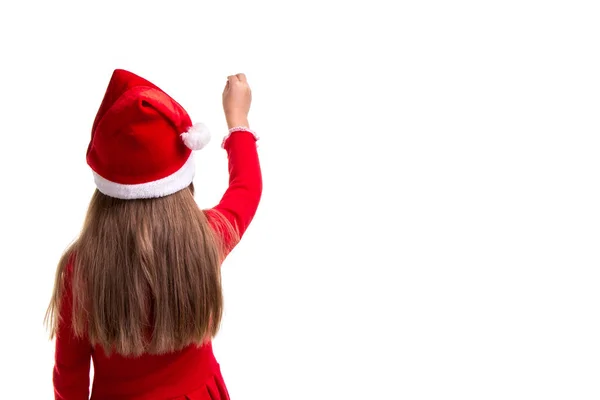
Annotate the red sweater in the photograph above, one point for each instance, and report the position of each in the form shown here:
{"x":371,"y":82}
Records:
{"x":192,"y":373}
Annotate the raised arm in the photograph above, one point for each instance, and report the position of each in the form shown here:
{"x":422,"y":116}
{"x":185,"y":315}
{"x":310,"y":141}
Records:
{"x":240,"y":201}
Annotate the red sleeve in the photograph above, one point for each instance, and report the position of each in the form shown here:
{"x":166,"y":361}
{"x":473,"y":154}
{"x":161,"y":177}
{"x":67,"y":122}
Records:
{"x":71,"y":374}
{"x":240,"y":201}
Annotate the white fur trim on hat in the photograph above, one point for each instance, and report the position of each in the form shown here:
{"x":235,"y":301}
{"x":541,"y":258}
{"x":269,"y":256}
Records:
{"x":160,"y":188}
{"x":196,"y":137}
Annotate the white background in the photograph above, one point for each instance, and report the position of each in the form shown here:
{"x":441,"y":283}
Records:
{"x":430,"y":222}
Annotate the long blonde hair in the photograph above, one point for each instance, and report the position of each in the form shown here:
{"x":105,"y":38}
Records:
{"x":145,"y":276}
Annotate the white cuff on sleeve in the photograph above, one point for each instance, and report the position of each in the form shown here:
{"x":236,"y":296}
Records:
{"x":239,"y":129}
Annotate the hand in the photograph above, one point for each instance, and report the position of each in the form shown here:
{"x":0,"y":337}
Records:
{"x":237,"y":97}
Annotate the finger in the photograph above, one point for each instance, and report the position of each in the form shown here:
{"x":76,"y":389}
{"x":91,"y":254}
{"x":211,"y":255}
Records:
{"x":232,"y":78}
{"x":241,"y":77}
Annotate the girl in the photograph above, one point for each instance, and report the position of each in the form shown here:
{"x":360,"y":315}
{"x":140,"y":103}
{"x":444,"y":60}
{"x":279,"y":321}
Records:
{"x":139,"y":292}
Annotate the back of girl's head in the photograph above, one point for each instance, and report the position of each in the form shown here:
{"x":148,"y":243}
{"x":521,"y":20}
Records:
{"x":144,"y":275}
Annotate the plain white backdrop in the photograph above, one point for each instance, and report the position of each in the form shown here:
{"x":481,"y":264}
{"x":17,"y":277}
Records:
{"x":430,"y":222}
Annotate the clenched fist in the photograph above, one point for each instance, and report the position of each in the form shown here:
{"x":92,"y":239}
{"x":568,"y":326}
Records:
{"x":237,"y":97}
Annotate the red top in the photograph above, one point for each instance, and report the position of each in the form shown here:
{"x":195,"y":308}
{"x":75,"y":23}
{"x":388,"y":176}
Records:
{"x":191,"y":373}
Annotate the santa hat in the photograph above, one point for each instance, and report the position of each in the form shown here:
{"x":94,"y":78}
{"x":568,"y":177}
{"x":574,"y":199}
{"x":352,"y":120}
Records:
{"x":142,"y":141}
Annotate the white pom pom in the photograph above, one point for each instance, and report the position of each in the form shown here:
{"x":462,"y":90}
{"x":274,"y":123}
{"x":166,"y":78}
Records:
{"x":196,"y":137}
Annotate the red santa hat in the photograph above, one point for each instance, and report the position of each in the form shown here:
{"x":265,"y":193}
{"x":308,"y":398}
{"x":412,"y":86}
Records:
{"x":142,"y":141}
